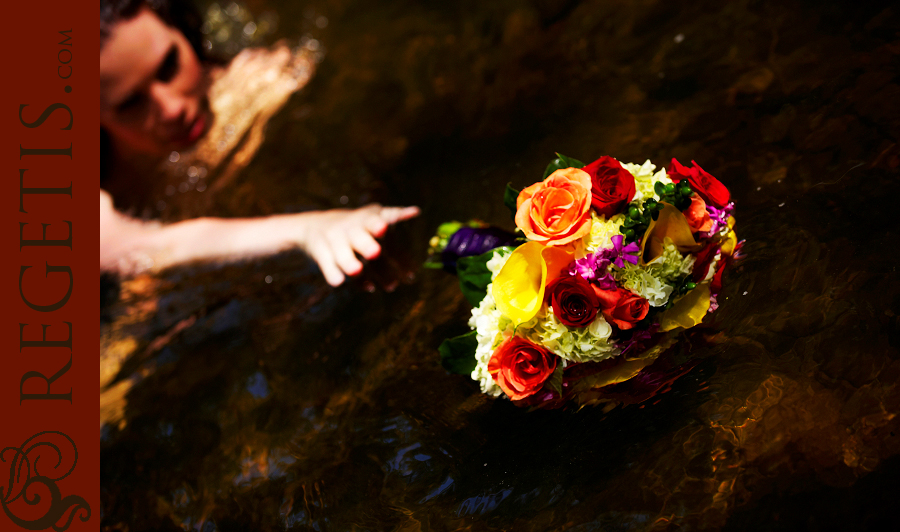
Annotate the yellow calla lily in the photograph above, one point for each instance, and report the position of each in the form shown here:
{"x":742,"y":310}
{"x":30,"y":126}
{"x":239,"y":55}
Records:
{"x":625,"y":368}
{"x":687,"y":311}
{"x":518,"y":289}
{"x":669,"y":224}
{"x":621,"y":372}
{"x":727,"y":241}
{"x":730,"y":239}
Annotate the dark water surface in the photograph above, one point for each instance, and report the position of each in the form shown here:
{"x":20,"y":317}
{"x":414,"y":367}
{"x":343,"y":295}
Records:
{"x":259,"y":399}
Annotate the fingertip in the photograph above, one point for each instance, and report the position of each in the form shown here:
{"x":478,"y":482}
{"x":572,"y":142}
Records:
{"x":350,"y":265}
{"x":379,"y":228}
{"x":324,"y":258}
{"x":400,"y":214}
{"x":373,"y":253}
{"x":364,"y":243}
{"x":355,"y":270}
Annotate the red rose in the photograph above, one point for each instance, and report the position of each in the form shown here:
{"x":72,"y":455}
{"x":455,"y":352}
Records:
{"x":573,"y":300}
{"x":521,"y":367}
{"x":706,"y":186}
{"x":612,"y":187}
{"x":622,"y":308}
{"x":697,"y":216}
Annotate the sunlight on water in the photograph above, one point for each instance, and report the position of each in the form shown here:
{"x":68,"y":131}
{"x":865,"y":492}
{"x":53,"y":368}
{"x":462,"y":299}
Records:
{"x":254,"y":397}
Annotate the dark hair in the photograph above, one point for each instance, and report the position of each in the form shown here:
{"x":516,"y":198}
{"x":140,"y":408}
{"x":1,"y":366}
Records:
{"x":178,"y":13}
{"x":112,"y":11}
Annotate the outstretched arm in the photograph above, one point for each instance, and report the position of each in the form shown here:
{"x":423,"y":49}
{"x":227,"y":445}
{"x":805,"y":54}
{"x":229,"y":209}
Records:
{"x":332,"y":238}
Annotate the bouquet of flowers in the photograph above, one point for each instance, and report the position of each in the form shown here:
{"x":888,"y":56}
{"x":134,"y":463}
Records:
{"x":609,"y":263}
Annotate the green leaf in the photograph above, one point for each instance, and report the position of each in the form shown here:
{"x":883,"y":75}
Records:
{"x":509,"y":198}
{"x":555,"y":380}
{"x":474,"y":276}
{"x":569,"y":161}
{"x":560,"y":162}
{"x":458,"y":353}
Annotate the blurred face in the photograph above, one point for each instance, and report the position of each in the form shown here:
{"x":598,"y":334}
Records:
{"x":152,"y":87}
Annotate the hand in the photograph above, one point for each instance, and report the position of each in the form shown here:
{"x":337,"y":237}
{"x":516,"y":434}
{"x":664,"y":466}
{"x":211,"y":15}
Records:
{"x":333,"y":238}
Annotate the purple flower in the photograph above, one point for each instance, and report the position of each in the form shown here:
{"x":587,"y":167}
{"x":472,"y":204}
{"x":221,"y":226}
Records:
{"x":469,"y":241}
{"x":713,"y":303}
{"x":719,"y":218}
{"x":618,"y":254}
{"x":594,"y":268}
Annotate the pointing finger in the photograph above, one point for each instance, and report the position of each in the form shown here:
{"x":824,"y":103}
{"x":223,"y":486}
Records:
{"x":393,"y":215}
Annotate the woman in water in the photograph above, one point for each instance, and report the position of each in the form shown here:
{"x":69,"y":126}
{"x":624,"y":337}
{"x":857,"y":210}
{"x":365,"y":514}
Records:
{"x":153,"y":100}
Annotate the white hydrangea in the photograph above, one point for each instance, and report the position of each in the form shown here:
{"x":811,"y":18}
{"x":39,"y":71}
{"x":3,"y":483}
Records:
{"x":487,"y":321}
{"x":601,"y":231}
{"x":671,"y":264}
{"x":574,"y":344}
{"x":642,"y":282}
{"x":496,"y":262}
{"x":489,"y":325}
{"x":644,"y":178}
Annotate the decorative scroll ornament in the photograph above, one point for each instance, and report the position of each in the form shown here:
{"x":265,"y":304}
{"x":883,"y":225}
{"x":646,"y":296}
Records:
{"x":35,"y":467}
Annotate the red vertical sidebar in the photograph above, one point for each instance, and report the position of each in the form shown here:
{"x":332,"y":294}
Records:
{"x":49,"y":282}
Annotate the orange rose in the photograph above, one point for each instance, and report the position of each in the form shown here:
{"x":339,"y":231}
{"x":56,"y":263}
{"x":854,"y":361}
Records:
{"x":556,"y":211}
{"x":697,"y":215}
